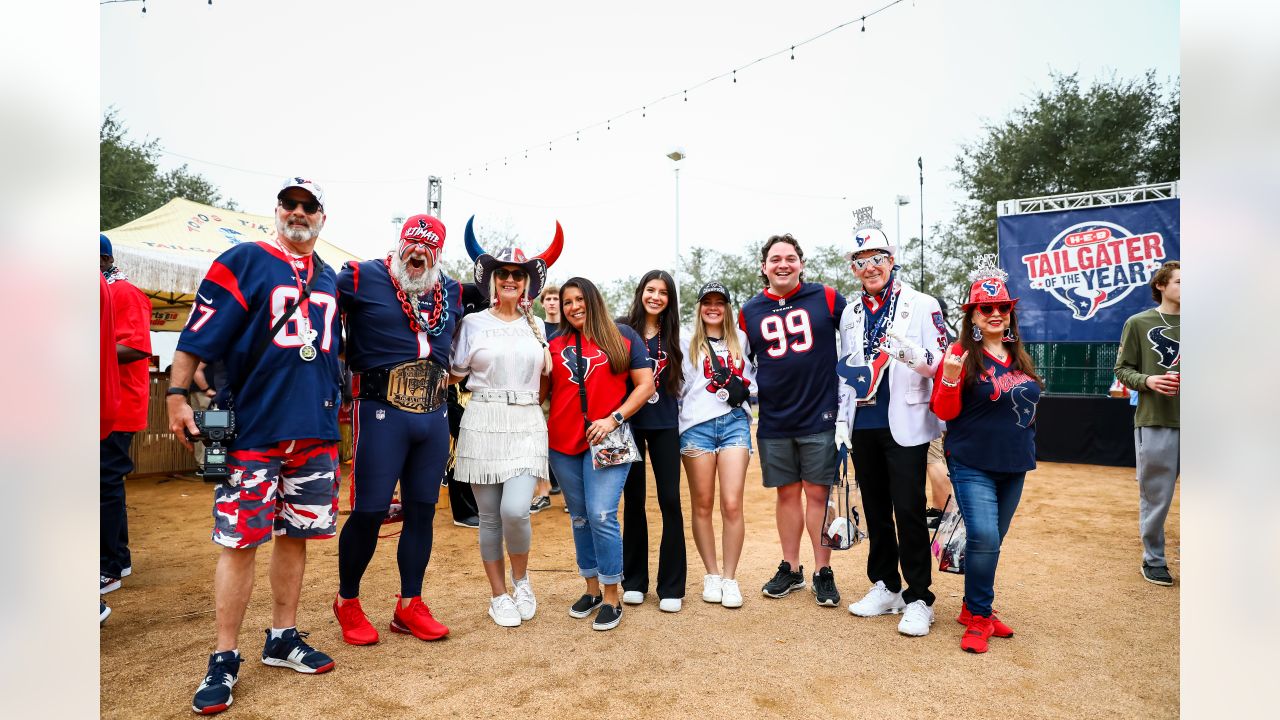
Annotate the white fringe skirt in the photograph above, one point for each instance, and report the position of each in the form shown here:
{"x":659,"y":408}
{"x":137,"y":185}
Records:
{"x":498,"y":441}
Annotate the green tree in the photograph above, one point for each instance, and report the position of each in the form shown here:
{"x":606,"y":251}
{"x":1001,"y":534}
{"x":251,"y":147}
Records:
{"x":131,"y":183}
{"x":1114,"y":133}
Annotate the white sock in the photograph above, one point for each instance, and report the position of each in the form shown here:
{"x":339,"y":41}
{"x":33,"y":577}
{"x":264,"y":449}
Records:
{"x":277,"y":633}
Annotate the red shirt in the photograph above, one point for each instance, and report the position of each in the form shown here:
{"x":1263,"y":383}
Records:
{"x":131,"y":312}
{"x":566,"y":427}
{"x":108,"y":369}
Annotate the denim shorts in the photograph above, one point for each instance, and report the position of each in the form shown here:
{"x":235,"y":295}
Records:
{"x":731,"y":430}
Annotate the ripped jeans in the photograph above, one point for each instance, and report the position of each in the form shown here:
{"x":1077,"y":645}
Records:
{"x":592,"y":497}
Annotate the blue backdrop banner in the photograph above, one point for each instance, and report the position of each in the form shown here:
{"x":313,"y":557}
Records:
{"x":1079,"y":274}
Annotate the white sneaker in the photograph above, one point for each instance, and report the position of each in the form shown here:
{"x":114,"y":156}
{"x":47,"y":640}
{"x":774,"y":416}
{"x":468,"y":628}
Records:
{"x":670,"y":604}
{"x":526,"y":603}
{"x":633,"y":597}
{"x":916,"y":620}
{"x":730,"y":595}
{"x":503,"y":611}
{"x":878,"y":601}
{"x":711,"y":588}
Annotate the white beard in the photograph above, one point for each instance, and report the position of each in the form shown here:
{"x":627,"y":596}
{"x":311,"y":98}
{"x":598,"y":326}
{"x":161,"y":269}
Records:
{"x":298,"y":235}
{"x":400,"y":271}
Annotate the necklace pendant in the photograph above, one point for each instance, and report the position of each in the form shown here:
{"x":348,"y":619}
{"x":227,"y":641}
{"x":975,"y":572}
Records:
{"x":722,"y":395}
{"x":653,"y":399}
{"x":307,"y":353}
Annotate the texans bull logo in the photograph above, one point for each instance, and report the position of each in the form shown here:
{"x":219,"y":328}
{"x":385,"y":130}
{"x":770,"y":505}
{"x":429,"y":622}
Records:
{"x":659,"y":365}
{"x":1166,"y":347}
{"x":864,"y":379}
{"x":569,"y":356}
{"x":991,"y":288}
{"x":1084,"y":303}
{"x":1024,"y":408}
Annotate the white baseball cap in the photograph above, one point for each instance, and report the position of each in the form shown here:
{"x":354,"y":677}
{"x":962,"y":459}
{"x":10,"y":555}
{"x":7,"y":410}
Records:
{"x":300,"y":182}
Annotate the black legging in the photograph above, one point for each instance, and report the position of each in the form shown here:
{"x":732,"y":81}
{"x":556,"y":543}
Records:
{"x":664,"y":452}
{"x":359,"y":540}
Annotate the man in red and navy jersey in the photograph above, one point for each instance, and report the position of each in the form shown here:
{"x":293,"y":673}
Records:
{"x":269,"y":311}
{"x":131,"y":319}
{"x":791,"y":327}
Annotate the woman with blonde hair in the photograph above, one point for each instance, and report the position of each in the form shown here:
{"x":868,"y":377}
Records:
{"x":715,"y":435}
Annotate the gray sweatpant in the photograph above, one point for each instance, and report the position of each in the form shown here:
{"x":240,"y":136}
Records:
{"x":504,"y":513}
{"x":1157,"y":449}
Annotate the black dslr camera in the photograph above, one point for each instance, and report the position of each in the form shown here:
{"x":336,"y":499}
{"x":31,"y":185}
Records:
{"x":217,"y":429}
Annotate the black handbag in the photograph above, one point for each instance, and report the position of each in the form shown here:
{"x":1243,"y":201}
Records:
{"x":723,"y":379}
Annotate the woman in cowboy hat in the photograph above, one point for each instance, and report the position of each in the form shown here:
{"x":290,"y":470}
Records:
{"x":987,"y":392}
{"x":594,"y":359}
{"x":502,"y":443}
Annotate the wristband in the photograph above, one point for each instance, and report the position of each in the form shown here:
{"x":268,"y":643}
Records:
{"x":949,"y":383}
{"x":174,"y":390}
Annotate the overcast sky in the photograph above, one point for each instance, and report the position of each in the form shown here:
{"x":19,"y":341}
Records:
{"x":371,"y":98}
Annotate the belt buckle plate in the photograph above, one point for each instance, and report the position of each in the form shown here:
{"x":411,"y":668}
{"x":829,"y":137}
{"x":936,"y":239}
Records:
{"x":410,"y":386}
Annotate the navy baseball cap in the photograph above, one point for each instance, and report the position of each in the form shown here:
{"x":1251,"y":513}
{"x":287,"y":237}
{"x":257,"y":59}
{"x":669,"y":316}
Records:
{"x":715,"y":287}
{"x":106,"y":245}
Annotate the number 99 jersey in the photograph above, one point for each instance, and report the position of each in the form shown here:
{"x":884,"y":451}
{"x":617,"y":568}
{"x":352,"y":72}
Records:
{"x":793,"y":339}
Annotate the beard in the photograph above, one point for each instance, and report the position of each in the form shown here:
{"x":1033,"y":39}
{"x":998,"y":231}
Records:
{"x":297,"y":234}
{"x":410,"y":285}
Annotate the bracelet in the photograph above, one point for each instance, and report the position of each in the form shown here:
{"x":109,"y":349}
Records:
{"x":949,"y":383}
{"x":174,"y":390}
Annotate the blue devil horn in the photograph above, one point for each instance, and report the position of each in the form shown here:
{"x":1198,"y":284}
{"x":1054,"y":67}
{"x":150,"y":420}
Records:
{"x":469,"y":236}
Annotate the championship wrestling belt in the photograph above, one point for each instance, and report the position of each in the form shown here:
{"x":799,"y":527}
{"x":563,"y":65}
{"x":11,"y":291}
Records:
{"x":419,"y":386}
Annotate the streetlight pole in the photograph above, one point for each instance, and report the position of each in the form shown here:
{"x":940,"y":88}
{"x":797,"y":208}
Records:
{"x":920,"y":164}
{"x":676,"y":156}
{"x":900,"y":201}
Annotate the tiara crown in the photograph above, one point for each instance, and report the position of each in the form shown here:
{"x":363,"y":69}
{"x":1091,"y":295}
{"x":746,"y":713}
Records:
{"x":862,"y":219}
{"x":987,"y":267}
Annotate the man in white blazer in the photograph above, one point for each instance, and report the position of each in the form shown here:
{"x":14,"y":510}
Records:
{"x":892,"y":340}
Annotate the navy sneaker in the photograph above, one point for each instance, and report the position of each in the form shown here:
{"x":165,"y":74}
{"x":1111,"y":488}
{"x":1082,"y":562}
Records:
{"x":214,"y":693}
{"x":291,"y":651}
{"x":103,"y":612}
{"x":608,"y":617}
{"x":107,"y":583}
{"x":585,"y":605}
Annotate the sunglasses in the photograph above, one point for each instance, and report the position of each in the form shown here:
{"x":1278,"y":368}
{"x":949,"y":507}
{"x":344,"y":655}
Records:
{"x":1002,"y":308}
{"x":308,"y":206}
{"x":877,"y":260}
{"x":505,"y":274}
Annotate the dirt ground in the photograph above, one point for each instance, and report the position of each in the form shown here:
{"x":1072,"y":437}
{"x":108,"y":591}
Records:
{"x":1093,"y":639}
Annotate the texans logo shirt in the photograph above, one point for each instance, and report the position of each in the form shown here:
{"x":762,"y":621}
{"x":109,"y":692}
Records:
{"x":793,"y":343}
{"x":282,"y":397}
{"x":991,"y":423}
{"x":566,"y":427}
{"x":665,"y":413}
{"x":378,"y":332}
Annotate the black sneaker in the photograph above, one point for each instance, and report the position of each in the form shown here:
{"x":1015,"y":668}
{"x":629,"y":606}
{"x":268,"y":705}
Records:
{"x":784,"y":581}
{"x":585,"y":605}
{"x":608,"y":618}
{"x":539,"y":504}
{"x":214,"y":693}
{"x":824,"y":588}
{"x":1156,"y":574}
{"x":104,"y":612}
{"x":932,"y":517}
{"x":472,"y":522}
{"x":291,"y":651}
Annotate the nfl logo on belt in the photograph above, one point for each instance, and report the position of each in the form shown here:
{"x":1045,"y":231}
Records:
{"x":380,"y":413}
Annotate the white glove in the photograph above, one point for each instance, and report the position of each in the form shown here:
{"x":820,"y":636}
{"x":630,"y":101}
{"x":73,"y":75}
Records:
{"x":842,"y":435}
{"x":903,"y":350}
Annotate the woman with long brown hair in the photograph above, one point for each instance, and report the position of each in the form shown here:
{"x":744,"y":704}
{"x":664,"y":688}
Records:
{"x":592,"y":360}
{"x":655,"y":316}
{"x":987,"y":391}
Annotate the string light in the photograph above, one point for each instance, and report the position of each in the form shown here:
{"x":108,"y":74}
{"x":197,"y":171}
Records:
{"x":735,"y":76}
{"x":793,"y":52}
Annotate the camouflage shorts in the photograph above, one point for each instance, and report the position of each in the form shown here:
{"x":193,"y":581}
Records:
{"x":290,"y":488}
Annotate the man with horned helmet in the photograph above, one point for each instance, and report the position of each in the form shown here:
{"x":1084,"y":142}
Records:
{"x":400,"y":313}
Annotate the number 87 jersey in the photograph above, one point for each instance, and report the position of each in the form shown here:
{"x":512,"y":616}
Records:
{"x":793,"y":341}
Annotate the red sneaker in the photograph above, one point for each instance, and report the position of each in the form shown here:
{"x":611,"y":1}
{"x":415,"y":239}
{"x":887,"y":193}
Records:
{"x":356,"y":628}
{"x":1000,"y":630}
{"x":976,"y":635}
{"x":416,"y":620}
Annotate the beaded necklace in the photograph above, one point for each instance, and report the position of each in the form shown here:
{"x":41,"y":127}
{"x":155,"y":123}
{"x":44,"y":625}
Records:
{"x":434,"y":323}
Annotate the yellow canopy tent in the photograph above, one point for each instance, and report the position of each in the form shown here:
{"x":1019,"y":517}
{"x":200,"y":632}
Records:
{"x":167,"y":252}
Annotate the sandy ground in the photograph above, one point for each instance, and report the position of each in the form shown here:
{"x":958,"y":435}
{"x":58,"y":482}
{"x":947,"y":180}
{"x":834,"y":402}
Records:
{"x":1093,"y":639}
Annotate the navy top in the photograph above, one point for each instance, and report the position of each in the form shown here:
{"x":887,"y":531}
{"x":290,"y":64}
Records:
{"x":378,"y":332}
{"x":874,"y":417}
{"x":283,"y":397}
{"x":995,"y":430}
{"x":793,"y":342}
{"x":665,"y":413}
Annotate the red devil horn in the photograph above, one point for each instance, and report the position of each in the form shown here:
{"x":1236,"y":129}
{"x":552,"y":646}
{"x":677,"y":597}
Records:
{"x":552,"y":253}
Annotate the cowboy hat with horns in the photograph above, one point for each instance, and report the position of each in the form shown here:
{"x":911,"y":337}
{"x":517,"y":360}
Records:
{"x":535,"y":267}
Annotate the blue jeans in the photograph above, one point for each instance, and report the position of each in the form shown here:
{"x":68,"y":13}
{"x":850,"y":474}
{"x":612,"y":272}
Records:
{"x":592,"y":497}
{"x":987,"y":501}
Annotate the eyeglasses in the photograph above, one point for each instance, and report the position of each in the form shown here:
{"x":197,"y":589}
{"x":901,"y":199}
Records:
{"x":505,"y":274}
{"x":308,"y":206}
{"x":1002,"y":308}
{"x":878,"y":259}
